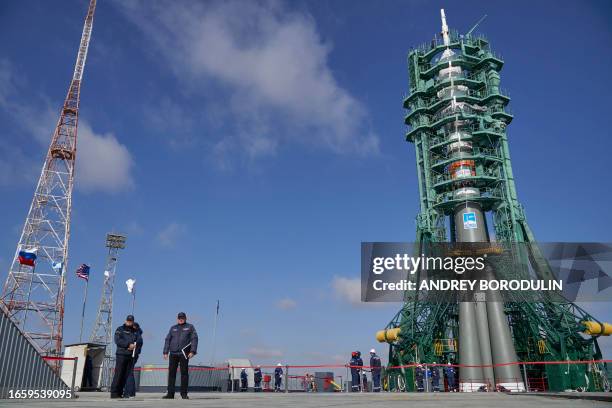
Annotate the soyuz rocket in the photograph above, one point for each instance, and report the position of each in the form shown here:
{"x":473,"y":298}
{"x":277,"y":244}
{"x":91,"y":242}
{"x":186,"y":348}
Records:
{"x":485,"y":340}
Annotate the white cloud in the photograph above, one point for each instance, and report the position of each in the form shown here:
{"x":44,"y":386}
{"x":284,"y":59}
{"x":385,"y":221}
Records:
{"x":347,"y":289}
{"x":264,"y":352}
{"x":286,"y":304}
{"x":168,"y":236}
{"x":272,"y":65}
{"x":103,"y":164}
{"x":16,"y":166}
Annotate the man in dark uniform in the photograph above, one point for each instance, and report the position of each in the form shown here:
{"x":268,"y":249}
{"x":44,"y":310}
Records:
{"x":130,"y":384}
{"x":257,"y":376}
{"x":244,"y":380}
{"x":375,"y":366}
{"x":126,"y":339}
{"x":355,"y":364}
{"x":418,"y":374}
{"x":450,"y":372}
{"x":278,"y":377}
{"x":181,"y":344}
{"x":435,"y":378}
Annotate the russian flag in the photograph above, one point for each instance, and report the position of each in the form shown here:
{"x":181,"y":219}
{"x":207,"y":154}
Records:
{"x":27,"y":257}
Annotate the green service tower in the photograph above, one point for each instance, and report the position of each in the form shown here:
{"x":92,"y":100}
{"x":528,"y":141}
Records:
{"x":457,"y":118}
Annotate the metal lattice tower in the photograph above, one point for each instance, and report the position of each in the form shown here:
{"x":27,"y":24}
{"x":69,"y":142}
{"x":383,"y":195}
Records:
{"x":34,"y":296}
{"x":457,"y":118}
{"x":102,"y":332}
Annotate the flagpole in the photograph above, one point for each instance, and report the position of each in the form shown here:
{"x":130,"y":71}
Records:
{"x":214,"y":345}
{"x":83,"y":312}
{"x":133,"y":300}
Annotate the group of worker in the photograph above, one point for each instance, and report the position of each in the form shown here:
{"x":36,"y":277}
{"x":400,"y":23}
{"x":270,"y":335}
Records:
{"x":180,"y":345}
{"x":423,"y":374}
{"x":358,"y":377}
{"x":258,"y":377}
{"x":426,"y":373}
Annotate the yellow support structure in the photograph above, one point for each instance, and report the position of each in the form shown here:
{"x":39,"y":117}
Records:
{"x":597,"y":329}
{"x":388,"y":336}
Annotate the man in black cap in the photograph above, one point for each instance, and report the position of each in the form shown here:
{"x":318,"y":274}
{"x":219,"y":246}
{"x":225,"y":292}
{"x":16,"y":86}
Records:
{"x":181,"y":344}
{"x":126,"y":339}
{"x":130,"y":382}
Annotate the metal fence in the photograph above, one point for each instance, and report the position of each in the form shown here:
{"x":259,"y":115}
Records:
{"x":154,"y":378}
{"x":22,"y":369}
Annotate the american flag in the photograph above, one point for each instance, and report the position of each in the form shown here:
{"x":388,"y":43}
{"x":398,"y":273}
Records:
{"x":83,"y":272}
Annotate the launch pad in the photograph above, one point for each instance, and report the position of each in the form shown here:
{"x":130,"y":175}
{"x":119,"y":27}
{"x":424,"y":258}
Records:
{"x":302,"y":400}
{"x":458,"y":117}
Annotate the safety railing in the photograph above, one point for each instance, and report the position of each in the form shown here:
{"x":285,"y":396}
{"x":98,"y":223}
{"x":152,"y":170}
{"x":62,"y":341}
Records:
{"x":439,"y":159}
{"x":524,"y":383}
{"x":426,"y":119}
{"x":442,"y":377}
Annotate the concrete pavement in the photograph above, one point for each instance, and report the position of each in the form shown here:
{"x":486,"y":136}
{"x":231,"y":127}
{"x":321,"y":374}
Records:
{"x":302,"y":400}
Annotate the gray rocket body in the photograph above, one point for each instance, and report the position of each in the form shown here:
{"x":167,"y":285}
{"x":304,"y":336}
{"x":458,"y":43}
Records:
{"x":484,"y":334}
{"x":470,"y":223}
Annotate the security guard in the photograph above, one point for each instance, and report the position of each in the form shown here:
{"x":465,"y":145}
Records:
{"x":257,"y":376}
{"x":375,"y":366}
{"x":278,"y":377}
{"x":126,"y":339}
{"x":355,"y":364}
{"x":181,"y":344}
{"x":130,"y":384}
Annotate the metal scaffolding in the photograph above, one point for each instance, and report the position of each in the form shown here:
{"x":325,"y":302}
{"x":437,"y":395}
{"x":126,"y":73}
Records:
{"x":457,"y":118}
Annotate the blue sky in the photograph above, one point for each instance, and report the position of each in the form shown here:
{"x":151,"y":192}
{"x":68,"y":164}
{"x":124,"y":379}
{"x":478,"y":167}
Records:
{"x":247,"y":149}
